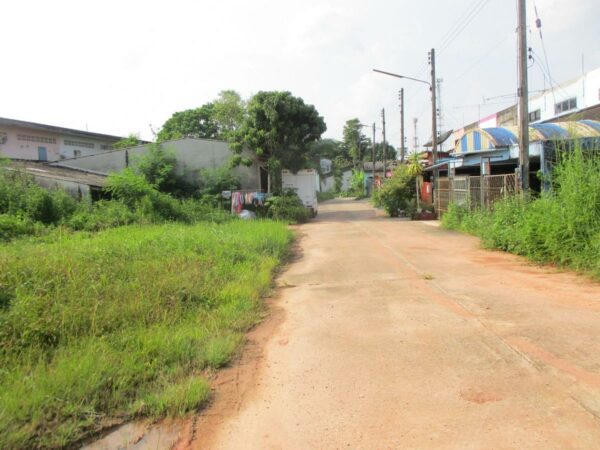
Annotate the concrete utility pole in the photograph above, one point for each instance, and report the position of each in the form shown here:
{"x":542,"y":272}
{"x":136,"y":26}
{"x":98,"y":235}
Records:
{"x":523,"y":93}
{"x":433,"y":112}
{"x":373,"y":151}
{"x":384,"y":143}
{"x":402,"y":125}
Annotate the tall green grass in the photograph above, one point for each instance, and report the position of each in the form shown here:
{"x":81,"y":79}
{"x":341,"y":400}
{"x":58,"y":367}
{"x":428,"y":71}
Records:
{"x":124,"y":322}
{"x":560,"y":227}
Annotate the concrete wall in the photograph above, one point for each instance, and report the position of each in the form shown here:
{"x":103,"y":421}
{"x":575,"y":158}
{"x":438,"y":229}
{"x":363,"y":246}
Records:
{"x":327,"y":183}
{"x":192,"y":155}
{"x":346,"y":177}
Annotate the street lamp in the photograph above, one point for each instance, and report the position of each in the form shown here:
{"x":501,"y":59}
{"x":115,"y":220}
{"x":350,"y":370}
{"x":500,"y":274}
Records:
{"x":433,"y":108}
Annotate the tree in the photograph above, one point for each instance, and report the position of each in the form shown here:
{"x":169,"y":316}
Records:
{"x":415,"y":169}
{"x":228,"y":111}
{"x":390,"y":154}
{"x":354,"y":141}
{"x":199,"y":122}
{"x":279,"y":128}
{"x":130,"y":141}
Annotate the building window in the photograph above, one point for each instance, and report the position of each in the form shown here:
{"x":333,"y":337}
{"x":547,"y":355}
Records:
{"x":41,"y":139}
{"x":535,"y":115}
{"x":106,"y":147}
{"x":76,"y":153}
{"x":79,"y":144}
{"x":566,"y":105}
{"x":3,"y":137}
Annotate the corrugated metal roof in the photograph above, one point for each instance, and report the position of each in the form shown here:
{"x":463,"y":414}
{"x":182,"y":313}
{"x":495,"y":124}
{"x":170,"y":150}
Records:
{"x":485,"y":139}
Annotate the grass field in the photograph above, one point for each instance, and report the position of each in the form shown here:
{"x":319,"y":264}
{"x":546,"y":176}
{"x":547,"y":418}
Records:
{"x":124,"y":322}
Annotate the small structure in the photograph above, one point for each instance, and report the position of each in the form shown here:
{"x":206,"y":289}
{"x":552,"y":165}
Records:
{"x":80,"y":184}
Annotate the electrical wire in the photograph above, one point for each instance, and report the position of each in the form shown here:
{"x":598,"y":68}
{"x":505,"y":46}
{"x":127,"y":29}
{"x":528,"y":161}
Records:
{"x":538,"y":24}
{"x":470,"y":16}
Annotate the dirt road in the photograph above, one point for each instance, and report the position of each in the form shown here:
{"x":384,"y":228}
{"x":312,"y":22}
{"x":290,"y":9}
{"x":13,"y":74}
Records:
{"x":394,"y":334}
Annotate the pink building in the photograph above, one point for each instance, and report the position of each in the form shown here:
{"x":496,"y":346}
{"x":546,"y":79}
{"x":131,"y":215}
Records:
{"x":38,"y":142}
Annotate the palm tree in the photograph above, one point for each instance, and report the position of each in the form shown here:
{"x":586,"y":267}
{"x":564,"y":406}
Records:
{"x":415,"y":169}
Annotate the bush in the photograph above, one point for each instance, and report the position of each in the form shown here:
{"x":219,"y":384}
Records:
{"x":397,"y":193}
{"x":287,"y":207}
{"x":15,"y":226}
{"x":21,"y":196}
{"x":324,"y":196}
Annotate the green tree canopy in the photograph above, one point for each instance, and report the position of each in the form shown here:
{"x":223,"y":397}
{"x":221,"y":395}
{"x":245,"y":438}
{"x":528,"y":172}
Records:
{"x":228,"y":111}
{"x":130,"y":141}
{"x":279,"y":128}
{"x":199,"y":122}
{"x":355,"y":143}
{"x":390,"y":154}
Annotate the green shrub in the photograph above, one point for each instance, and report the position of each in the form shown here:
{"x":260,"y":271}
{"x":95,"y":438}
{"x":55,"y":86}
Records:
{"x":397,"y":192}
{"x":324,"y":196}
{"x":15,"y":226}
{"x":102,"y":215}
{"x":287,"y":207}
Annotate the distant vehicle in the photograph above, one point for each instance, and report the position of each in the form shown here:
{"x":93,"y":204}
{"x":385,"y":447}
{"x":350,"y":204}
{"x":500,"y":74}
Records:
{"x":304,"y":183}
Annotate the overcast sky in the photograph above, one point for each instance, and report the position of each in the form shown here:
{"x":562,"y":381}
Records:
{"x":120,"y":66}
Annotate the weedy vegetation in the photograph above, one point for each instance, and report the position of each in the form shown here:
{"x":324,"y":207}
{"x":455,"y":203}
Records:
{"x":560,"y":227}
{"x":124,"y":322}
{"x":121,"y":308}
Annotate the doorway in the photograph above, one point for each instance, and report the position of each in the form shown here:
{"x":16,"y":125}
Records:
{"x":42,"y":154}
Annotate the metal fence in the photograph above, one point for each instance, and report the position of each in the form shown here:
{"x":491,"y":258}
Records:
{"x":474,"y":192}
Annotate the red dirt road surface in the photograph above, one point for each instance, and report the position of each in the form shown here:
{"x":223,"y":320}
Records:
{"x":390,"y":334}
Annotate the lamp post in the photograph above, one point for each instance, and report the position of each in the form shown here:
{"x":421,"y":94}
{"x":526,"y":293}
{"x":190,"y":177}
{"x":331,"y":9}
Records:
{"x":433,"y":108}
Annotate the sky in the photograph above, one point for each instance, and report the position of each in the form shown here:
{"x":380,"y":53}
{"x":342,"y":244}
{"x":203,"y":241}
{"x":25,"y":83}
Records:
{"x":120,"y":67}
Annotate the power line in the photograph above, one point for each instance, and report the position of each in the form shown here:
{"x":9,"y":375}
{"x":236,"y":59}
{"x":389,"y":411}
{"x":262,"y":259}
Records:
{"x":474,"y":12}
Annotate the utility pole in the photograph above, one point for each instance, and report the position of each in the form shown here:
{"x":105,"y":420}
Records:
{"x":402,"y":125}
{"x":373,"y":151}
{"x":433,"y":126}
{"x":433,"y":111}
{"x":523,"y":93}
{"x":384,"y":143}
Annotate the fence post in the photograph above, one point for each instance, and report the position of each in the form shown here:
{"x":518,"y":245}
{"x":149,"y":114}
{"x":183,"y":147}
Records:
{"x":482,"y":191}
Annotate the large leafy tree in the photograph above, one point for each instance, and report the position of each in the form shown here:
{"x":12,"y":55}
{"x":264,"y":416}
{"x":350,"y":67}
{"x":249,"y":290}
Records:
{"x":354,"y":141}
{"x":389,"y":155}
{"x":279,"y":128}
{"x":199,"y":122}
{"x":229,"y":111}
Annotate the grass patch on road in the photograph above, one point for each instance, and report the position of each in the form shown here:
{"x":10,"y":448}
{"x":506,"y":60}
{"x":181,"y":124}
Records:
{"x":124,"y":322}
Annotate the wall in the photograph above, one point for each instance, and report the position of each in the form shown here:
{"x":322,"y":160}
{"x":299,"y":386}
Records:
{"x":192,"y":155}
{"x":327,"y":183}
